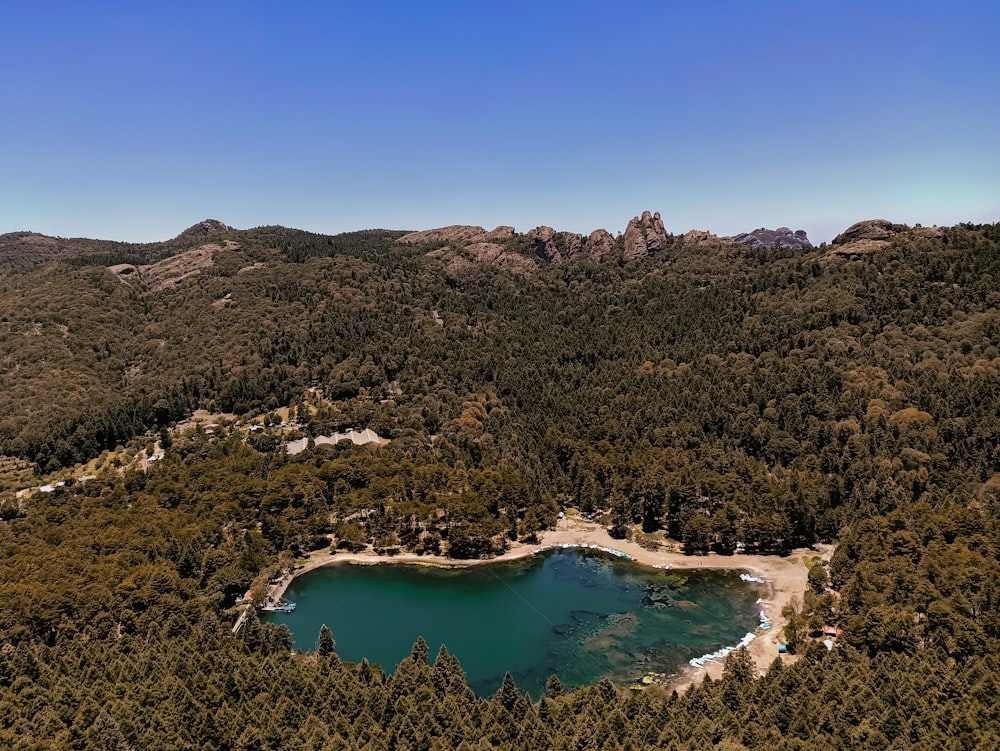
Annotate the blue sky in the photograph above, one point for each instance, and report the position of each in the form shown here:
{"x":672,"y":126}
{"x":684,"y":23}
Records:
{"x":134,"y":120}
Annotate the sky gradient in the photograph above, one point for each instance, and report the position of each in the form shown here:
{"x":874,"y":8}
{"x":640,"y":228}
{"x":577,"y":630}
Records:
{"x":131,"y":121}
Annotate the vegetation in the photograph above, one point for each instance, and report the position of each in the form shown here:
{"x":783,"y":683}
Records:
{"x":729,"y":395}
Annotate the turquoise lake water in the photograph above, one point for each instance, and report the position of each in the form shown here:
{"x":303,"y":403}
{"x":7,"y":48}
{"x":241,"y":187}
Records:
{"x":578,"y":614}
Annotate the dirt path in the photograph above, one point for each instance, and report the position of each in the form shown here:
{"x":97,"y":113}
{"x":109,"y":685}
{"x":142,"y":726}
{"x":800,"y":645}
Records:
{"x":786,"y":577}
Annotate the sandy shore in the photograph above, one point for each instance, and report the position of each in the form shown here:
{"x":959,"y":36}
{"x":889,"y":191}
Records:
{"x":786,"y":577}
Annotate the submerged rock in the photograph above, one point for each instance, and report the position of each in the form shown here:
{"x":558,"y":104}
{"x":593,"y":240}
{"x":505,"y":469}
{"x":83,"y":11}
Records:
{"x":656,"y":597}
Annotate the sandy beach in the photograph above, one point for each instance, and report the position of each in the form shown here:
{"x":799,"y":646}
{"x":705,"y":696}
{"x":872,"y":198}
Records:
{"x":786,"y":577}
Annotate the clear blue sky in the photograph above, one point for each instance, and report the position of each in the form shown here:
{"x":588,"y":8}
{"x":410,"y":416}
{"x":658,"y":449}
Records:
{"x":134,"y":120}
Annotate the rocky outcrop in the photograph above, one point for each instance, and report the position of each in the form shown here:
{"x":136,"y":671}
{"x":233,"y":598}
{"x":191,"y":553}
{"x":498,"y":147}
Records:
{"x":934,"y":233}
{"x":515,"y":263}
{"x":701,"y":237}
{"x":644,"y":235}
{"x":599,"y":243}
{"x":557,"y":247}
{"x":463,"y":244}
{"x":125,"y":270}
{"x":857,"y":250}
{"x":782,"y":237}
{"x":554,"y":246}
{"x":203,"y":230}
{"x":862,"y":239}
{"x":170,"y":271}
{"x":541,"y":235}
{"x":870,"y":229}
{"x":483,"y":252}
{"x":468,"y":257}
{"x":499,"y":234}
{"x":463,"y":247}
{"x":460,"y":234}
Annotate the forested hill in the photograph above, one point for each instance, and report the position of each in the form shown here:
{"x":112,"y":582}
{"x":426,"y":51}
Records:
{"x":725,"y":393}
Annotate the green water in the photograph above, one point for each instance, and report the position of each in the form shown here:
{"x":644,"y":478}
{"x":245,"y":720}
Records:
{"x":577,"y":614}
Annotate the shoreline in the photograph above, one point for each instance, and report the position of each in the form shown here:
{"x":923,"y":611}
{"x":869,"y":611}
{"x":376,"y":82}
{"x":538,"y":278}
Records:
{"x":785,"y":578}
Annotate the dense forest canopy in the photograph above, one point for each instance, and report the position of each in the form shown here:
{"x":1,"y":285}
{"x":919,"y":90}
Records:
{"x":726,"y":394}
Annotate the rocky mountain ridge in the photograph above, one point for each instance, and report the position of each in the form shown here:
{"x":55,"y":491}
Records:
{"x":782,"y":237}
{"x":459,"y":247}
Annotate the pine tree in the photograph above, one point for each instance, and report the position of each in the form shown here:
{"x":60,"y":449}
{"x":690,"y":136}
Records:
{"x":553,"y":687}
{"x":508,"y":694}
{"x":325,"y":645}
{"x":420,"y":650}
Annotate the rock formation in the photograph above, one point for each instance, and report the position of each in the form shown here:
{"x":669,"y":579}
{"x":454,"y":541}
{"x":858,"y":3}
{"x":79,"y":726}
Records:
{"x":557,"y":247}
{"x":499,"y":234}
{"x":460,"y":234}
{"x":862,"y":239}
{"x":934,"y":232}
{"x":170,"y":271}
{"x":644,"y":235}
{"x":870,"y":229}
{"x":467,"y":257}
{"x":702,"y":237}
{"x":203,"y":230}
{"x":468,"y":244}
{"x":782,"y":237}
{"x":599,"y":243}
{"x":541,"y":235}
{"x":554,"y":246}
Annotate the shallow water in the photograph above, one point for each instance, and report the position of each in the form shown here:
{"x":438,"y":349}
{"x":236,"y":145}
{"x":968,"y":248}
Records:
{"x":577,"y":614}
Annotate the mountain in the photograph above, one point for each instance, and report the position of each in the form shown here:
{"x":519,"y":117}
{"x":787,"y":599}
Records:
{"x":106,"y":339}
{"x":688,"y":390}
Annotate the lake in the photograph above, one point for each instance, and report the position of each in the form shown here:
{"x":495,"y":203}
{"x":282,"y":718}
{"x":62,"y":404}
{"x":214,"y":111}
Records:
{"x":575,"y":613}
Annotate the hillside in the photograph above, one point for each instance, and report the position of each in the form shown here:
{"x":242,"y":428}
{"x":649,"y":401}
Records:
{"x":717,"y":392}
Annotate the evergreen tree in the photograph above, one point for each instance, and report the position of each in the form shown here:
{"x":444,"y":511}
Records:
{"x":420,"y":650}
{"x":325,"y":645}
{"x":553,"y":687}
{"x":508,"y":695}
